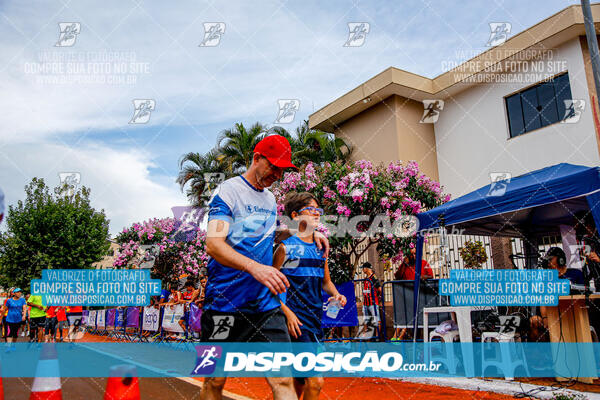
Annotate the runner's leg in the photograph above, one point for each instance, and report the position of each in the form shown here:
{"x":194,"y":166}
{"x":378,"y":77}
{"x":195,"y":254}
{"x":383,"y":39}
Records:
{"x":312,"y":388}
{"x":283,"y":388}
{"x":271,"y":327}
{"x":41,"y":326}
{"x":212,"y":389}
{"x":13,"y":331}
{"x":32,"y":331}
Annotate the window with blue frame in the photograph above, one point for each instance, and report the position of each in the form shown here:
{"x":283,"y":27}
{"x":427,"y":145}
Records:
{"x":538,"y":106}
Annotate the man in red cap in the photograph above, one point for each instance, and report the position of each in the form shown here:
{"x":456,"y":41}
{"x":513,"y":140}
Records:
{"x":241,"y":303}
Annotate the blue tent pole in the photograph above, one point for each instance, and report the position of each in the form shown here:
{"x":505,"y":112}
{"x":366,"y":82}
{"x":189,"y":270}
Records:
{"x":418,"y":258}
{"x":593,"y":201}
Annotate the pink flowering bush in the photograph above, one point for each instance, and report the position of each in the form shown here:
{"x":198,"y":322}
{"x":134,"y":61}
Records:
{"x":361,"y":188}
{"x":181,"y":249}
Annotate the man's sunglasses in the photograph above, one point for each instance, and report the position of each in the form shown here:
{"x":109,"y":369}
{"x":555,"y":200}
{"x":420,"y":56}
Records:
{"x":312,"y":210}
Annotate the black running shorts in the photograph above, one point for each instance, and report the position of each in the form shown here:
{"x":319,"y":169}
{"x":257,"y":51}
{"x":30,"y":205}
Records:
{"x":269,"y":326}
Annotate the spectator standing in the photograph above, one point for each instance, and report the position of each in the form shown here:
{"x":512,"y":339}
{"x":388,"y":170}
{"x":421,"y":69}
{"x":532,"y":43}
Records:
{"x":406,"y":270}
{"x":37,"y":318}
{"x":371,"y":295}
{"x":61,"y":317}
{"x":51,"y":323}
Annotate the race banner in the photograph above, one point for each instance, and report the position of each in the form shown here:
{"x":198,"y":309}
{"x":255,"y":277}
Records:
{"x":92,"y":318}
{"x":171,"y":317}
{"x":151,"y":319}
{"x":110,"y":317}
{"x":101,"y":319}
{"x":347,"y":316}
{"x":133,"y":317}
{"x":119,"y":316}
{"x":195,"y":318}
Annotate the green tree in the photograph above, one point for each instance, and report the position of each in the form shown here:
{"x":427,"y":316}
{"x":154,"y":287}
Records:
{"x":51,"y":231}
{"x":318,"y":147}
{"x":231,"y":156}
{"x":193,"y":170}
{"x":237,"y":146}
{"x":364,"y":205}
{"x":233,"y":152}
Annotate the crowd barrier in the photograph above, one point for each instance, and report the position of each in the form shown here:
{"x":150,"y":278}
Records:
{"x":367,"y":322}
{"x":156,"y":324}
{"x":403,"y":302}
{"x":150,"y":323}
{"x":142,"y":324}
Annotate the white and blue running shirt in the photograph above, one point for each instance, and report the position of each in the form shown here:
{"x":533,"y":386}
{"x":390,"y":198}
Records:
{"x":252,"y":215}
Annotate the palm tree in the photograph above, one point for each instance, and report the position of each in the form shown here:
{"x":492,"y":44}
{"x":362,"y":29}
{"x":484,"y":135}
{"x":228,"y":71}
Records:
{"x":195,"y":169}
{"x":237,"y":145}
{"x":317,"y":146}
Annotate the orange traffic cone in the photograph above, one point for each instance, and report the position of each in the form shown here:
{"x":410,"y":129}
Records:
{"x":46,"y":387}
{"x":123,"y":384}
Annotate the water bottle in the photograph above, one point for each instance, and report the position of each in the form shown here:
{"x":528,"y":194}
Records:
{"x":333,"y":308}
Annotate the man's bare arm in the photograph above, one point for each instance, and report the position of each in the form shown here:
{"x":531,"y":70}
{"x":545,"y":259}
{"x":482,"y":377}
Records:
{"x":320,"y":240}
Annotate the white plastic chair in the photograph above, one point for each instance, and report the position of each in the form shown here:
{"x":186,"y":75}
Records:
{"x":448,"y":359}
{"x":506,"y":334}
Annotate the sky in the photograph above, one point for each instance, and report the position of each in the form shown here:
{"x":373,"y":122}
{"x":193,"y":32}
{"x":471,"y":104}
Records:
{"x":67,"y":101}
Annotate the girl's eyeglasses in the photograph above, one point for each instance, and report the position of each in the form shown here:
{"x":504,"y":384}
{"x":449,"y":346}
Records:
{"x":312,"y":210}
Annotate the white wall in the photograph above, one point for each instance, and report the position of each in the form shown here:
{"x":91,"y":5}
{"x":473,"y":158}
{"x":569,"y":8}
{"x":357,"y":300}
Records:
{"x":472,"y":133}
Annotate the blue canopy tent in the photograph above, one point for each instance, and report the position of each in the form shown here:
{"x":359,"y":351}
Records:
{"x":529,"y":206}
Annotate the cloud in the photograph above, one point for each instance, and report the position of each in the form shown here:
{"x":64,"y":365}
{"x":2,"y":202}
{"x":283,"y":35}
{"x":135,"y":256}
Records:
{"x":119,"y":180}
{"x":269,"y":51}
{"x":54,"y":119}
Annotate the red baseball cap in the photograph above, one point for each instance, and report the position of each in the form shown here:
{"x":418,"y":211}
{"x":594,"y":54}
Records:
{"x":277,"y":150}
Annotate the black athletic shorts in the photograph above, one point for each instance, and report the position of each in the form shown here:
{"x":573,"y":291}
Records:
{"x":37,"y":323}
{"x":13,"y":329}
{"x":50,"y":328}
{"x":269,"y":326}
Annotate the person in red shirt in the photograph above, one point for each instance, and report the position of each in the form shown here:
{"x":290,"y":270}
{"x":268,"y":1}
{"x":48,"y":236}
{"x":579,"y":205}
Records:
{"x":371,"y":299}
{"x":406,"y":270}
{"x":51,"y":323}
{"x":61,"y":317}
{"x":187,"y":297}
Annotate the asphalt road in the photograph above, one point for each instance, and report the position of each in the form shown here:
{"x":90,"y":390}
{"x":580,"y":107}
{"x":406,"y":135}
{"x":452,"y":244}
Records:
{"x":93,"y":388}
{"x":163,"y":388}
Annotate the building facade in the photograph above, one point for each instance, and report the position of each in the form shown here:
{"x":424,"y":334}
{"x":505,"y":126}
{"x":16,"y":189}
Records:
{"x":525,"y":104}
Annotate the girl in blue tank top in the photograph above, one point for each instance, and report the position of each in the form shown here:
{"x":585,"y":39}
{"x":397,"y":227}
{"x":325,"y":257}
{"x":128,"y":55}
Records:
{"x":306,"y":270}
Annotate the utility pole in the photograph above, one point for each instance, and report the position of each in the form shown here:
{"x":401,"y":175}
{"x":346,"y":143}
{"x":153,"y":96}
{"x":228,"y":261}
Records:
{"x":592,"y":41}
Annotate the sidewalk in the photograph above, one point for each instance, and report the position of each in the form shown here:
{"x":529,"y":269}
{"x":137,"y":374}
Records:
{"x":538,"y":388}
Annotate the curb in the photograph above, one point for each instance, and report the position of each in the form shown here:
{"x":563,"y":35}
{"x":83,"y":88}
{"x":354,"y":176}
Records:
{"x":500,"y":386}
